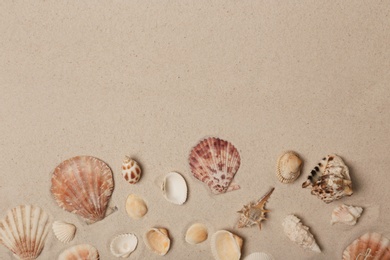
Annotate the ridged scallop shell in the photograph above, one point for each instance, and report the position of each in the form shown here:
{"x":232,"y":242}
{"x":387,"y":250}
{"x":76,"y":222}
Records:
{"x":123,"y":245}
{"x":288,"y":167}
{"x":330,"y":179}
{"x":83,"y":185}
{"x":174,"y":188}
{"x":259,"y":256}
{"x":226,"y":245}
{"x":346,"y":214}
{"x":135,"y":206}
{"x":131,"y":170}
{"x":369,"y":246}
{"x":254,"y":213}
{"x":24,"y":231}
{"x":80,"y":252}
{"x":299,"y":234}
{"x":63,"y":231}
{"x":215,"y":162}
{"x":196,"y":233}
{"x":157,"y":240}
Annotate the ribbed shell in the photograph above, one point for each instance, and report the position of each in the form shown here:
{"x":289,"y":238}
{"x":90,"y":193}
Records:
{"x":288,"y":167}
{"x":63,"y":231}
{"x":373,"y":246}
{"x":83,"y":185}
{"x":80,"y":252}
{"x":226,"y":245}
{"x":24,"y":231}
{"x":215,"y":162}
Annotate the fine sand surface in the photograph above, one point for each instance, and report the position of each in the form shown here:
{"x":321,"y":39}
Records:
{"x":151,"y":79}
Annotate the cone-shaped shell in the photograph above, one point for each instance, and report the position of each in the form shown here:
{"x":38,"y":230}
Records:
{"x":24,"y":231}
{"x":259,"y":256}
{"x":215,"y":162}
{"x":288,"y":167}
{"x":368,"y":246}
{"x":346,"y":214}
{"x":83,"y":185}
{"x":135,"y":206}
{"x":174,"y":188}
{"x":226,"y":245}
{"x":123,"y":245}
{"x":157,"y":240}
{"x":131,"y":170}
{"x":63,"y":231}
{"x":299,"y":234}
{"x":196,"y":233}
{"x":80,"y":252}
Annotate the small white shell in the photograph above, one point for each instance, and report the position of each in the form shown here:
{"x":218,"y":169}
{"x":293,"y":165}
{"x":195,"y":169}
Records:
{"x":135,"y":206}
{"x":157,"y":240}
{"x":226,"y":245}
{"x":174,"y":188}
{"x":123,"y":245}
{"x":131,"y":170}
{"x":196,"y":233}
{"x":80,"y":252}
{"x":63,"y":231}
{"x":259,"y":256}
{"x":346,"y":214}
{"x":288,"y":167}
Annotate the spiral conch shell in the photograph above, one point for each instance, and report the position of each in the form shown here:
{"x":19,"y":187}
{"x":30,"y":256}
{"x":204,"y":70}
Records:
{"x":157,"y":240}
{"x":83,"y":185}
{"x":131,"y":170}
{"x":369,"y":246}
{"x":288,"y":167}
{"x":346,"y":214}
{"x":299,"y":234}
{"x":330,"y":179}
{"x":24,"y":231}
{"x":63,"y":231}
{"x":226,"y":245}
{"x":80,"y":252}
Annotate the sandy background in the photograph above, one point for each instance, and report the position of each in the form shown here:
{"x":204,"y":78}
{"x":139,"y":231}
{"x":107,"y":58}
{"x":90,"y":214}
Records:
{"x":150,"y":80}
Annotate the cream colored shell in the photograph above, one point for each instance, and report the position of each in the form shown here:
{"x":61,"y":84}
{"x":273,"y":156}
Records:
{"x":259,"y":256}
{"x":63,"y":231}
{"x":80,"y":252}
{"x":288,"y":167}
{"x":346,"y":214}
{"x":123,"y":245}
{"x":174,"y":188}
{"x":196,"y":233}
{"x":157,"y":240}
{"x":135,"y":206}
{"x":226,"y":245}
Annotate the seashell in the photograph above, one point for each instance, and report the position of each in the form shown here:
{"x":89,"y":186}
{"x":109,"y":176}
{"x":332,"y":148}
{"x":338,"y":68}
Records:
{"x":215,"y":162}
{"x":330,"y":179}
{"x":346,"y":214}
{"x":131,"y":170}
{"x":226,"y":245}
{"x":123,"y":245}
{"x":83,"y":185}
{"x":196,"y":233}
{"x":299,"y":234}
{"x":254,"y":213}
{"x":174,"y":188}
{"x":157,"y":240}
{"x":63,"y":231}
{"x":259,"y":256}
{"x":288,"y":167}
{"x":80,"y":252}
{"x":136,"y":207}
{"x":24,"y":231}
{"x":368,"y":246}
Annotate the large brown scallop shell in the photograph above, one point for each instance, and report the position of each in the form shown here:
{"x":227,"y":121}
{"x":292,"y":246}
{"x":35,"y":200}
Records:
{"x":215,"y":162}
{"x":83,"y":185}
{"x":369,"y":246}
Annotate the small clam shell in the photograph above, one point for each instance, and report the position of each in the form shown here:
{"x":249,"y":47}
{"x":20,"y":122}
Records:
{"x":131,"y":170}
{"x":196,"y":233}
{"x":135,"y":206}
{"x":157,"y":240}
{"x":123,"y":245}
{"x":80,"y":252}
{"x":288,"y":167}
{"x":259,"y":256}
{"x":226,"y":245}
{"x":174,"y":188}
{"x":63,"y":231}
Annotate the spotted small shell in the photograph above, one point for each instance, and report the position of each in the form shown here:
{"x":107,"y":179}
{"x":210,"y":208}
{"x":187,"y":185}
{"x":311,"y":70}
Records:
{"x":288,"y":167}
{"x":131,"y":170}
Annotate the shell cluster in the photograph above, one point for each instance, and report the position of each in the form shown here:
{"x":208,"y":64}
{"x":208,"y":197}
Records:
{"x":288,"y":167}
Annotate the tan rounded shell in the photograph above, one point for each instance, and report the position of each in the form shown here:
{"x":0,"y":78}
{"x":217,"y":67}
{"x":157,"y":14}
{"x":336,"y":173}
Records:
{"x":226,"y":245}
{"x":131,"y":170}
{"x":368,"y":246}
{"x":135,"y":206}
{"x":80,"y":252}
{"x":288,"y":167}
{"x":157,"y":240}
{"x":196,"y":233}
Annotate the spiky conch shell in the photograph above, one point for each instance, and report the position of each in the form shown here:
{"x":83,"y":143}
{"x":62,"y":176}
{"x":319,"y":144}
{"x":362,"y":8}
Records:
{"x":346,"y":214}
{"x":368,"y":246}
{"x":80,"y":252}
{"x":215,"y":162}
{"x":288,"y":167}
{"x":83,"y":185}
{"x":63,"y":231}
{"x":226,"y":245}
{"x":24,"y":231}
{"x":299,"y":234}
